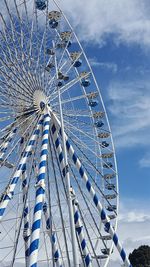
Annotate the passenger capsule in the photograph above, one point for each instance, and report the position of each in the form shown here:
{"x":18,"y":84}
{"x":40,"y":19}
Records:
{"x":107,"y":155}
{"x":104,"y":135}
{"x":60,"y":84}
{"x":85,"y":82}
{"x":109,"y":197}
{"x":68,"y":43}
{"x":50,"y":52}
{"x":105,"y":251}
{"x":92,"y":95}
{"x":40,"y":4}
{"x":107,"y":165}
{"x":99,"y":124}
{"x":111,"y":207}
{"x":66,"y":78}
{"x":112,"y":216}
{"x":60,"y":76}
{"x":77,"y":63}
{"x":99,"y":114}
{"x":53,"y":24}
{"x":106,"y":237}
{"x":93,"y":103}
{"x":104,"y":144}
{"x":110,"y":186}
{"x":49,"y":66}
{"x":109,"y":176}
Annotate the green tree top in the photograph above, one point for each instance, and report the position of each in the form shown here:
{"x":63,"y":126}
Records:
{"x":140,"y":257}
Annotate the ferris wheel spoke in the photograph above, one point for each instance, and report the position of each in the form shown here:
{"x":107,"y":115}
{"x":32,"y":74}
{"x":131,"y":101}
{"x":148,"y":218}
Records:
{"x":10,"y":190}
{"x":67,"y":156}
{"x":74,"y":114}
{"x":24,"y":88}
{"x":94,"y":168}
{"x":38,"y":47}
{"x":80,"y":233}
{"x":91,"y":215}
{"x":52,"y":236}
{"x":26,"y":219}
{"x":40,"y":191}
{"x":71,"y":128}
{"x":9,"y":13}
{"x":5,"y":144}
{"x":17,"y":58}
{"x":20,"y":35}
{"x":13,"y":30}
{"x":11,"y":95}
{"x":97,"y":186}
{"x":58,"y":196}
{"x":44,"y":45}
{"x":80,"y":129}
{"x":105,"y":219}
{"x":65,"y":48}
{"x":17,"y":69}
{"x":4,"y":160}
{"x":68,"y":86}
{"x":69,"y":60}
{"x":22,"y":92}
{"x":63,"y":169}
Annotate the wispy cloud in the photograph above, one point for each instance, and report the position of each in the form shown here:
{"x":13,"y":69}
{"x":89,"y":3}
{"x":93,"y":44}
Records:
{"x":110,"y":66}
{"x":134,"y":220}
{"x":145,"y":161}
{"x":129,"y":106}
{"x":128,"y":21}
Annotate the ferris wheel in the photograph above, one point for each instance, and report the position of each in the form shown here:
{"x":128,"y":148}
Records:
{"x":58,"y":174}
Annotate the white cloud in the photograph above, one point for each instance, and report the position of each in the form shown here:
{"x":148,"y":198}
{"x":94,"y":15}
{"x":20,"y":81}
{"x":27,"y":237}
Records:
{"x":127,"y":20}
{"x":129,"y":107}
{"x":133,"y":225}
{"x":110,"y":66}
{"x":145,"y":161}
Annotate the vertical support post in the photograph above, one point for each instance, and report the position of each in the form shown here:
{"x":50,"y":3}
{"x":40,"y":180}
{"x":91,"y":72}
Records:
{"x":40,"y":191}
{"x":8,"y":194}
{"x":52,"y":236}
{"x":71,"y":215}
{"x":67,"y":176}
{"x":5,"y":145}
{"x":26,"y":231}
{"x":104,"y":218}
{"x":80,"y":232}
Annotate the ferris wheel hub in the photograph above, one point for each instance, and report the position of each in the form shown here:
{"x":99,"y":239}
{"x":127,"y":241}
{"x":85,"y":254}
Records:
{"x":40,"y":100}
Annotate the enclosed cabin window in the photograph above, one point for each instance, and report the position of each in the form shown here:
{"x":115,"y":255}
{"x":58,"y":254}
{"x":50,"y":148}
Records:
{"x":40,"y":4}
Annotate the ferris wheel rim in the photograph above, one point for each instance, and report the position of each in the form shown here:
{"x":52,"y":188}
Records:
{"x":38,"y":83}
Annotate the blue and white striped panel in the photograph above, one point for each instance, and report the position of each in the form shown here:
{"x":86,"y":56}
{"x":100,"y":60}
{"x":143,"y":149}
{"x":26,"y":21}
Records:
{"x":8,"y":194}
{"x":79,"y":230}
{"x":76,"y":214}
{"x":40,"y":191}
{"x":5,"y":145}
{"x":26,"y":232}
{"x":56,"y":255}
{"x":105,"y":219}
{"x":59,"y":150}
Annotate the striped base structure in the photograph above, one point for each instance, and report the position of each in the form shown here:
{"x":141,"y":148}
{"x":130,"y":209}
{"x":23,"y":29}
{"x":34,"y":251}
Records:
{"x":7,"y":142}
{"x":56,"y":255}
{"x":104,"y":218}
{"x":8,"y":194}
{"x":40,"y":191}
{"x":79,"y":230}
{"x":26,"y":230}
{"x":77,"y":221}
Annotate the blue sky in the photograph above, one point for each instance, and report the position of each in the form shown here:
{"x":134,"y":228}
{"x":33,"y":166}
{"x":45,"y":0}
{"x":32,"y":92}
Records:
{"x":116,"y":38}
{"x":115,"y":35}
